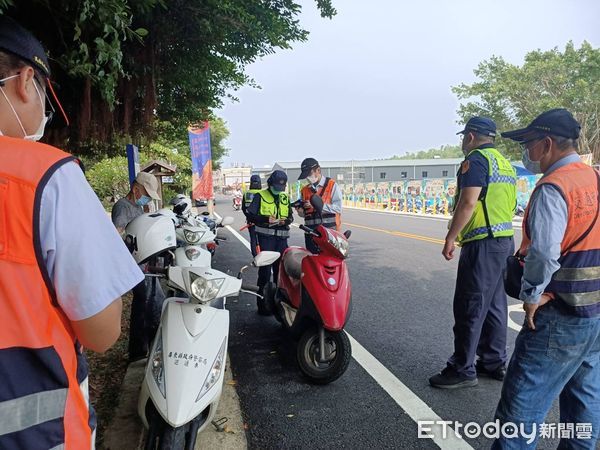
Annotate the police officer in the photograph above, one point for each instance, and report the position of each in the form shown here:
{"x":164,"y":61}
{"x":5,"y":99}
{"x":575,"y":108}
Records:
{"x":482,"y":224}
{"x":271,"y":215}
{"x":329,"y":192}
{"x":62,"y":271}
{"x":255,"y":187}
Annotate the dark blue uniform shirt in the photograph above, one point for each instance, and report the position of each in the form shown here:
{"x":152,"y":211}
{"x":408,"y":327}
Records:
{"x":477,"y":172}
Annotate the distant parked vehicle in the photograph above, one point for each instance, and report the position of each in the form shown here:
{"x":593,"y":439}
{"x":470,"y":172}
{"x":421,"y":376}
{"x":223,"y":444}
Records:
{"x":203,"y":202}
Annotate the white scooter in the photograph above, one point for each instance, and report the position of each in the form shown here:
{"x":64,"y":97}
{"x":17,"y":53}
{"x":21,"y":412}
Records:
{"x":184,"y":374}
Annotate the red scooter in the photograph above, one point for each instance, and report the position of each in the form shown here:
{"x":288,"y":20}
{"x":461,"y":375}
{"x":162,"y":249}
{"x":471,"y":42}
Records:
{"x":313,"y":300}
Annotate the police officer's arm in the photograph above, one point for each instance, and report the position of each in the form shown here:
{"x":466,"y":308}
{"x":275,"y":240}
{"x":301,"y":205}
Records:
{"x":290,"y":217}
{"x":99,"y":332}
{"x":252,"y":213}
{"x":336,"y":201}
{"x":463,"y":211}
{"x":91,"y":268}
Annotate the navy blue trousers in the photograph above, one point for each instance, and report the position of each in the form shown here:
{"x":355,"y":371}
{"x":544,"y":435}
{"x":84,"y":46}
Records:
{"x":480,"y":306}
{"x":275,"y":244}
{"x":253,"y":240}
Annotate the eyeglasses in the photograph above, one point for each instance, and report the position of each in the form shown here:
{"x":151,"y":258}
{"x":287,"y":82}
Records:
{"x":524,"y":144}
{"x":49,"y":112}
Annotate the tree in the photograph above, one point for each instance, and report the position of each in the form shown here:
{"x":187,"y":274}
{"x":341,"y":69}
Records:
{"x":514,"y":95}
{"x":445,"y":151}
{"x":109,"y":177}
{"x":125,"y":66}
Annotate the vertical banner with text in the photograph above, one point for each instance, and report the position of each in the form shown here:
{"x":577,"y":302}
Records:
{"x":202,"y":181}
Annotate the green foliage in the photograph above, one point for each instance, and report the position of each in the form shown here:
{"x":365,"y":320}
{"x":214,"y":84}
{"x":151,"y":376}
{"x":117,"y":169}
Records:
{"x":125,"y":65}
{"x":445,"y":151}
{"x":514,"y":95}
{"x":109,"y":178}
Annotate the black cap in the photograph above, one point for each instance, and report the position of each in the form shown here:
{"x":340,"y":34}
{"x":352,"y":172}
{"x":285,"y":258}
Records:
{"x":17,"y":40}
{"x":278,"y":180}
{"x":307,"y":166}
{"x":255,"y":182}
{"x":481,"y":125}
{"x":556,"y":122}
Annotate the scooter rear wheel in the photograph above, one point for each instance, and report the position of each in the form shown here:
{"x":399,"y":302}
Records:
{"x":308,"y":359}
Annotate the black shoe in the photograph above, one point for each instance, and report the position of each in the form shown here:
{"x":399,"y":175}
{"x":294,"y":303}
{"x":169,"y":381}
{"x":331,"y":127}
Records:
{"x":450,"y":379}
{"x":497,"y":374}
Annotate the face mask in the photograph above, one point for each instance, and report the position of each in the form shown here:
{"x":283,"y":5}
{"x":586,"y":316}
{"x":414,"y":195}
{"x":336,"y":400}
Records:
{"x":39,"y":133}
{"x":143,"y":200}
{"x":274,"y":191}
{"x":313,"y":178}
{"x":532,"y":166}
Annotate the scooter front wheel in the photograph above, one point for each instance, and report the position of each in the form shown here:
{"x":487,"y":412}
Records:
{"x":162,"y":436}
{"x":172,"y":438}
{"x":326,"y":368}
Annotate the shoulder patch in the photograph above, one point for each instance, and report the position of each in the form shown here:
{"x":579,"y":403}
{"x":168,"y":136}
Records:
{"x":464,"y":167}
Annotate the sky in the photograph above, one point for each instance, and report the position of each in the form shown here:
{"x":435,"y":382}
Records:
{"x":375,"y":81}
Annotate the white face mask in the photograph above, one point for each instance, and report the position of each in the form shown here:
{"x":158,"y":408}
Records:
{"x":313,"y":178}
{"x":39,"y":133}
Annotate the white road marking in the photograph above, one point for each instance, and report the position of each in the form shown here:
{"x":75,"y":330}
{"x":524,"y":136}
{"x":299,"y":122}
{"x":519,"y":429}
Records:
{"x":416,"y":408}
{"x":511,"y":323}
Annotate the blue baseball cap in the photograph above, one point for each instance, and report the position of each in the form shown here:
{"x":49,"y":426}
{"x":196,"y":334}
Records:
{"x":17,"y":40}
{"x":278,"y":180}
{"x":481,"y":125}
{"x":556,"y":122}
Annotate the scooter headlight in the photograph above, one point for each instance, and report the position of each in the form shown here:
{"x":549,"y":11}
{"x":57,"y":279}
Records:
{"x":215,"y":371}
{"x":157,"y":364}
{"x":340,"y":244}
{"x":192,"y":237}
{"x":203,"y":289}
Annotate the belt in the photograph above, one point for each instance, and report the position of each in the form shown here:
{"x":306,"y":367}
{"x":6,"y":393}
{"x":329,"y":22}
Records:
{"x":271,"y":231}
{"x":317,"y":221}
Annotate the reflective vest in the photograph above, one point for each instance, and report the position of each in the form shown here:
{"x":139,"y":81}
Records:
{"x":577,"y":283}
{"x":493,"y":214}
{"x":268,"y":206}
{"x":249,"y":196}
{"x":43,"y":372}
{"x":328,"y":220}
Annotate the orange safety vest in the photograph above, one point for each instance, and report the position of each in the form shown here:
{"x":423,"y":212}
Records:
{"x":43,"y":372}
{"x":577,"y":283}
{"x":328,"y":220}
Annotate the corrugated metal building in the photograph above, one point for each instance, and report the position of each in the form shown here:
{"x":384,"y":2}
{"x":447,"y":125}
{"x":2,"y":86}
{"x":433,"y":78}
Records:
{"x":379,"y":170}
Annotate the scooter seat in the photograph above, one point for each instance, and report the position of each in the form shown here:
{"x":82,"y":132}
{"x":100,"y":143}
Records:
{"x":292,"y":262}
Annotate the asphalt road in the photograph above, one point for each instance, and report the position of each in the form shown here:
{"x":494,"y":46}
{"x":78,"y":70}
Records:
{"x":402,"y":316}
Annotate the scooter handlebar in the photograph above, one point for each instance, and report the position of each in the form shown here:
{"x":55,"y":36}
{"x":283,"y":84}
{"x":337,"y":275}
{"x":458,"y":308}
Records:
{"x":308,"y":230}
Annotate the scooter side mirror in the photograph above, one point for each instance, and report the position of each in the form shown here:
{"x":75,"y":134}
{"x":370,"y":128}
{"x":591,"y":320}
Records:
{"x":227,"y":220}
{"x":347,"y":234}
{"x":317,"y":203}
{"x":179,"y":209}
{"x":265,"y":258}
